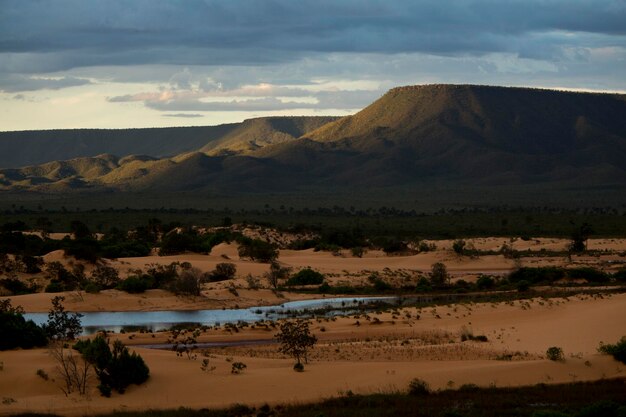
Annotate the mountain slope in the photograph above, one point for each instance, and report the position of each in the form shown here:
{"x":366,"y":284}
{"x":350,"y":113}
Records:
{"x":18,"y":149}
{"x":420,"y":135}
{"x":254,"y":134}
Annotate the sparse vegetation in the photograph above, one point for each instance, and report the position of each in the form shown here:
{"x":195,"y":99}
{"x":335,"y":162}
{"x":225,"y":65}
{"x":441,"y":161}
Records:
{"x":617,"y":350}
{"x":555,"y":353}
{"x":237,"y":367}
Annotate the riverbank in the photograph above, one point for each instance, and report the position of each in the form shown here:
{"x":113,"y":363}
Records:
{"x":370,"y":353}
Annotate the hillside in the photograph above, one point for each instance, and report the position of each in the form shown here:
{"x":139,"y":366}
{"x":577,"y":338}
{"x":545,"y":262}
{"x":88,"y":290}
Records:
{"x":24,"y":148}
{"x":254,"y":134}
{"x":420,"y":136}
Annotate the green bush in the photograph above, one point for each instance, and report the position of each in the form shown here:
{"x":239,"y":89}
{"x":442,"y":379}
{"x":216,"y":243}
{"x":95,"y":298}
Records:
{"x":257,"y":250}
{"x":419,"y":387}
{"x":54,"y":287}
{"x":485,"y":282}
{"x":222,"y":272}
{"x":618,"y":350}
{"x":17,"y":332}
{"x":306,"y":276}
{"x":555,"y":353}
{"x":136,"y":284}
{"x":545,"y":274}
{"x":16,"y":287}
{"x":116,"y":368}
{"x":589,"y":274}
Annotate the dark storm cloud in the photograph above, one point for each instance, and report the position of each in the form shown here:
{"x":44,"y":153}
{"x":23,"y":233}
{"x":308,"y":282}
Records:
{"x":55,"y":35}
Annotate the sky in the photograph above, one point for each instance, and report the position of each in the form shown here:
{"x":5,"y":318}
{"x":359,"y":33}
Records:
{"x":145,"y":63}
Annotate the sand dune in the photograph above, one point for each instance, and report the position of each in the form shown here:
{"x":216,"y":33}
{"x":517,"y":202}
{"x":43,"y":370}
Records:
{"x":576,"y":324}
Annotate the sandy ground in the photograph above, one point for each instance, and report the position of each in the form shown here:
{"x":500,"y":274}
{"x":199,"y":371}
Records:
{"x":362,"y":358}
{"x":339,"y":270}
{"x":364,"y":353}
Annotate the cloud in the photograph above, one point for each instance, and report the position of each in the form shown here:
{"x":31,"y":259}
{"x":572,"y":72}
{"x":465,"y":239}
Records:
{"x":183,"y":115}
{"x":75,"y":33}
{"x":261,"y":97}
{"x":10,"y":83}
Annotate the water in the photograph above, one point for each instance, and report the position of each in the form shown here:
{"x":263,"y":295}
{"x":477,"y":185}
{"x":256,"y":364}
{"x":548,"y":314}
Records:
{"x":162,"y":320}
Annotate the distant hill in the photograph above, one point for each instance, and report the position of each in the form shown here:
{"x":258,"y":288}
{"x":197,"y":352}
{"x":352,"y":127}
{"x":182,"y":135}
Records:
{"x":23,"y":148}
{"x":426,"y":136}
{"x":254,"y":134}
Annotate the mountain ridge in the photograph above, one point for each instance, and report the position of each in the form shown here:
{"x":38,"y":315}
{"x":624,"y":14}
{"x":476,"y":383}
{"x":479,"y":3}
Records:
{"x":465,"y":134}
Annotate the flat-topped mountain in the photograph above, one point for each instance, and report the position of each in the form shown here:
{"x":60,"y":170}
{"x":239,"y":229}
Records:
{"x":439,"y":134}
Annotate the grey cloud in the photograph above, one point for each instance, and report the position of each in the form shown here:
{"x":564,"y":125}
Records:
{"x":74,"y":33}
{"x":265,"y":98}
{"x":10,"y":83}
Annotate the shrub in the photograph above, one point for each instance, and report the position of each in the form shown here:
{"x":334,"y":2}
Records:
{"x":589,"y":274}
{"x":15,"y":331}
{"x":439,"y":275}
{"x":522,"y":286}
{"x":257,"y":250}
{"x":419,"y":387}
{"x":178,"y":242}
{"x":545,"y":274}
{"x":87,"y":249}
{"x":16,"y":287}
{"x":357,"y":251}
{"x":306,"y":276}
{"x":237,"y":367}
{"x":458,"y":246}
{"x":189,"y":282}
{"x":105,"y":276}
{"x":423,"y":285}
{"x":298,"y":367}
{"x":136,"y":284}
{"x":222,"y":272}
{"x":555,"y":353}
{"x":618,"y":350}
{"x":116,"y":368}
{"x":54,"y":287}
{"x":485,"y":282}
{"x":620,"y":275}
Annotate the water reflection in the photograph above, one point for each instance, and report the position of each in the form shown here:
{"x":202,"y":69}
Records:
{"x":162,"y":320}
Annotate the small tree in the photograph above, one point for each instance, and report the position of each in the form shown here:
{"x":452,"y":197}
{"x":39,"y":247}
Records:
{"x":62,"y":325}
{"x":579,"y":238}
{"x":257,"y":250}
{"x":439,"y":277}
{"x":295,"y":339}
{"x":116,"y":368}
{"x":276,"y":274}
{"x":105,"y":276}
{"x":189,"y":282}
